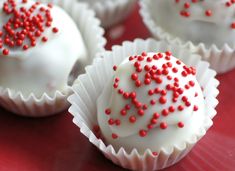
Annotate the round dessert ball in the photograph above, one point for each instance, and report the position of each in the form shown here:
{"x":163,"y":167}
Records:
{"x":39,"y":46}
{"x":209,"y":22}
{"x":152,"y":102}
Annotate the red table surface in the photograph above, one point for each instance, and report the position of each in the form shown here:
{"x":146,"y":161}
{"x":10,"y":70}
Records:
{"x":56,"y":144}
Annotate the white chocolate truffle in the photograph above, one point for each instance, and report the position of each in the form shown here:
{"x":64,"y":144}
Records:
{"x":153,"y":102}
{"x":200,"y":21}
{"x":46,"y":44}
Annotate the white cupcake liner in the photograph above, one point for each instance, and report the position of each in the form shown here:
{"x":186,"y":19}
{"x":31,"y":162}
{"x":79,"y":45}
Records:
{"x":111,"y":12}
{"x":89,"y":86}
{"x":221,"y":59}
{"x":46,"y":105}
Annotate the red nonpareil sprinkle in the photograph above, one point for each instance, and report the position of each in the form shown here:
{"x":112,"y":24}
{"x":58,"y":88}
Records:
{"x":126,"y":95}
{"x":132,"y":119}
{"x":163,"y":92}
{"x":175,"y":70}
{"x":120,"y":91}
{"x":25,"y":47}
{"x":163,"y":125}
{"x":134,"y":76}
{"x":145,"y":107}
{"x":228,"y":4}
{"x":153,"y":121}
{"x":115,"y":85}
{"x":147,"y":81}
{"x":131,"y":58}
{"x":165,"y":112}
{"x":155,"y":153}
{"x":162,"y":100}
{"x":156,"y":116}
{"x":123,"y":112}
{"x":117,"y":122}
{"x":157,"y":90}
{"x":138,"y":83}
{"x":149,"y":59}
{"x":184,"y":99}
{"x":195,"y":108}
{"x":180,"y":124}
{"x":187,"y":5}
{"x":114,"y":67}
{"x":144,"y":54}
{"x":168,"y":53}
{"x":96,"y":128}
{"x":44,"y":39}
{"x":180,"y":108}
{"x":133,"y":95}
{"x":139,"y":69}
{"x":140,"y":58}
{"x":187,"y":104}
{"x":50,"y":5}
{"x":171,"y":109}
{"x":169,"y":77}
{"x":152,"y":102}
{"x":140,"y":112}
{"x":55,"y":30}
{"x":114,"y":136}
{"x":107,"y":111}
{"x":233,"y":25}
{"x":5,"y":51}
{"x":150,"y":126}
{"x":110,"y":121}
{"x":142,"y":133}
{"x":158,"y":80}
{"x":127,"y":107}
{"x":208,"y":13}
{"x":151,"y":92}
{"x":147,"y":68}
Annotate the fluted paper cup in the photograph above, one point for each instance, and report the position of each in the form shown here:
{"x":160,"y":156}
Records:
{"x":32,"y":106}
{"x":111,"y":12}
{"x":89,"y":86}
{"x":221,"y":59}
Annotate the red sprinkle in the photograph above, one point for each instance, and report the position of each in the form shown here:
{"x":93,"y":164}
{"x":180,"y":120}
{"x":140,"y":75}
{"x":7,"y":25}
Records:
{"x":114,"y":136}
{"x":180,"y":124}
{"x":132,"y":119}
{"x":163,"y":125}
{"x":142,"y":133}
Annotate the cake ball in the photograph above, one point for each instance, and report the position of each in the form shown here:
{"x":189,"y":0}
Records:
{"x":40,"y":48}
{"x":152,"y":102}
{"x":148,"y":110}
{"x":210,"y":21}
{"x":205,"y":26}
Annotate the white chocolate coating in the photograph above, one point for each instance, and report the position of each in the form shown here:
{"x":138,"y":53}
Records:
{"x":198,"y":27}
{"x":156,"y":138}
{"x":46,"y":67}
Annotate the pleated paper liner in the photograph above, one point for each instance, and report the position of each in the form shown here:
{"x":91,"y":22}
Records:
{"x":111,"y":12}
{"x":221,"y":59}
{"x":89,"y":86}
{"x":46,"y":105}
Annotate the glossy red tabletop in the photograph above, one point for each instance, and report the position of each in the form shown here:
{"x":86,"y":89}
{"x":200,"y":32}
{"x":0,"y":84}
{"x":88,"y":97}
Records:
{"x":56,"y":144}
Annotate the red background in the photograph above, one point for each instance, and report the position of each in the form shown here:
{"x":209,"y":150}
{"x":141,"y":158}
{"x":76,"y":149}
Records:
{"x":56,"y":144}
